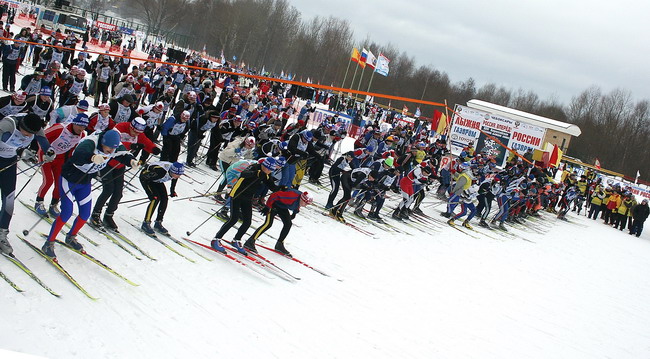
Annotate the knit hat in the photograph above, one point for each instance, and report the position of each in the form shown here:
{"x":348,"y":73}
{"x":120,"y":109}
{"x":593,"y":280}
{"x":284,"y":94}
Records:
{"x":111,"y":138}
{"x":269,"y":163}
{"x":139,"y":124}
{"x":83,"y":105}
{"x":31,"y":123}
{"x":45,"y":91}
{"x":177,"y":168}
{"x":81,"y":119}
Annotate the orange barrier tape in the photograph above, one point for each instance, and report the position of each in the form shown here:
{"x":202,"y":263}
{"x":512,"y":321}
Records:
{"x":299,"y":83}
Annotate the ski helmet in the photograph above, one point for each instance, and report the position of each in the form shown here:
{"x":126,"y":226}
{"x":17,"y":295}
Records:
{"x":111,"y":138}
{"x":249,"y":141}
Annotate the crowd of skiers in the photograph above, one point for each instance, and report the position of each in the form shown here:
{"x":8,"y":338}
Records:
{"x":258,"y":139}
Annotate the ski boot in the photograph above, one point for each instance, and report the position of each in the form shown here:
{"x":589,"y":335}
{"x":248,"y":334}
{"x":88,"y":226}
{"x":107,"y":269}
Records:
{"x":396,"y":214}
{"x":223,"y":213}
{"x":48,"y":249}
{"x":158,"y":227}
{"x":279,"y":246}
{"x":5,"y":247}
{"x":404,"y":214}
{"x":216,"y":245}
{"x":96,"y":222}
{"x":54,"y":210}
{"x":39,"y":207}
{"x":418,"y":211}
{"x":483,"y":223}
{"x":71,"y":240}
{"x":249,"y":245}
{"x":467,"y":225}
{"x":146,"y":228}
{"x":237,"y":245}
{"x":451,"y":222}
{"x":109,"y":223}
{"x":502,"y":227}
{"x":339,"y":216}
{"x":358,"y":213}
{"x":445,"y":214}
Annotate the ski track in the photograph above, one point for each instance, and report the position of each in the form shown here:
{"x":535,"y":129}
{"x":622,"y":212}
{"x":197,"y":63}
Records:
{"x":575,"y":293}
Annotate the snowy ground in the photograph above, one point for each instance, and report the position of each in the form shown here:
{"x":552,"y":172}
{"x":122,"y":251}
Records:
{"x":580,"y":291}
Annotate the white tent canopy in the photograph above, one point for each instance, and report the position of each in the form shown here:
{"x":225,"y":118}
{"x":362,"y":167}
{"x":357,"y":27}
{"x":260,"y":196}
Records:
{"x":525,"y":117}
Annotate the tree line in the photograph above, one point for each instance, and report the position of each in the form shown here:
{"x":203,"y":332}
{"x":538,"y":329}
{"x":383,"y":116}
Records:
{"x":273,"y":35}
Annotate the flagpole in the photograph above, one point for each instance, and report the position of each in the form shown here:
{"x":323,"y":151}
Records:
{"x":346,"y":73}
{"x":354,"y":76}
{"x":370,"y":83}
{"x":361,"y":78}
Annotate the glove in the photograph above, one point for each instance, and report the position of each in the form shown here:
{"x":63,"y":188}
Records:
{"x":97,"y":159}
{"x":265,"y":210}
{"x":155,"y":151}
{"x":173,"y":194}
{"x":134,"y":164}
{"x":396,"y":190}
{"x":49,"y":155}
{"x":136,"y":146}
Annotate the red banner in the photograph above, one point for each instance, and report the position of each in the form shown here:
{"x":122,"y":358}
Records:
{"x":105,"y":26}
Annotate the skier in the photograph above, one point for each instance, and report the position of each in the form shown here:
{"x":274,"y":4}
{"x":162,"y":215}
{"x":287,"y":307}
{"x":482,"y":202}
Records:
{"x":88,"y":158}
{"x":280,"y":203}
{"x":153,"y":178}
{"x":63,"y":138}
{"x":466,"y":199}
{"x":16,"y":133}
{"x":112,"y":176}
{"x":173,"y":132}
{"x":241,"y":201}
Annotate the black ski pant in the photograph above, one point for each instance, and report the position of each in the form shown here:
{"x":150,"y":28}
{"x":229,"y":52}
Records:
{"x":239,"y":208}
{"x":285,"y":217}
{"x":171,"y":148}
{"x":158,"y":198}
{"x":112,"y":188}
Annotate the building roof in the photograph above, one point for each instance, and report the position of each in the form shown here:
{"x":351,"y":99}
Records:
{"x":525,"y":117}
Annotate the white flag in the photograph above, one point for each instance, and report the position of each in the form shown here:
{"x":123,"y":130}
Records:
{"x":371,"y":60}
{"x":382,"y":65}
{"x":637,"y":177}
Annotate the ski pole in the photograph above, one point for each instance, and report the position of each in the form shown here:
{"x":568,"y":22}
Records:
{"x":9,"y":165}
{"x":215,"y":182}
{"x":134,"y":200}
{"x":30,"y":167}
{"x":26,"y":231}
{"x":139,"y":204}
{"x":202,"y":223}
{"x":200,"y":195}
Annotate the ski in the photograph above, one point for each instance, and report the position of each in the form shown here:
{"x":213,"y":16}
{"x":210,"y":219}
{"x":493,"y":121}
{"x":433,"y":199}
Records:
{"x":359,"y":229}
{"x":227,"y":256}
{"x":29,"y":272}
{"x":130,"y":242}
{"x":11,"y":283}
{"x":461,"y":230}
{"x":58,"y":266}
{"x":273,"y":265}
{"x":154,"y":237}
{"x":115,"y":241}
{"x":294,"y":259}
{"x":50,"y":220}
{"x":85,"y":254}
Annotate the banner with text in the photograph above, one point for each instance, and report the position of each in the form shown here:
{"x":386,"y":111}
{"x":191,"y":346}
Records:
{"x":514,"y":134}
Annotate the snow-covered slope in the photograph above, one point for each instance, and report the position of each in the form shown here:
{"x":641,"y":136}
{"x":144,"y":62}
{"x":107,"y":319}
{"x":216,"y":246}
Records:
{"x":574,"y":290}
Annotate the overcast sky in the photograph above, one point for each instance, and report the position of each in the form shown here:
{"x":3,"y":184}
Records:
{"x":553,"y":47}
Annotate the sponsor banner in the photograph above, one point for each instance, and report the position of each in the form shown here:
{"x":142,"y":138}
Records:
{"x":465,"y":128}
{"x":499,"y":128}
{"x":105,"y":26}
{"x":126,"y":30}
{"x":526,"y":136}
{"x":516,"y":135}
